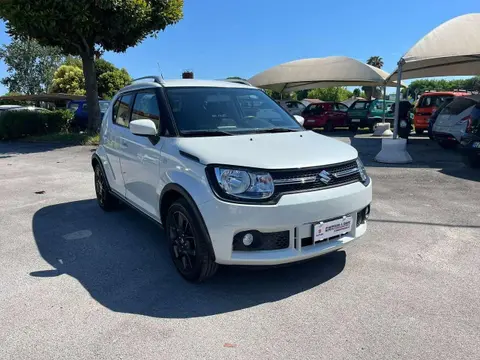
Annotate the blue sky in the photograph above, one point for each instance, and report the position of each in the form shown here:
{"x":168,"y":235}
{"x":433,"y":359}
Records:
{"x":220,"y":38}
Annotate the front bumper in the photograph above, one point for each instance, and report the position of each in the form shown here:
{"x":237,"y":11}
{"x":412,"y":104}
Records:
{"x":294,"y":213}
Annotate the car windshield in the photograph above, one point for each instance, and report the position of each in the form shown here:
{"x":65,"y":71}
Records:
{"x":431,"y":100}
{"x":360,"y":105}
{"x":227,"y":111}
{"x":457,"y":106}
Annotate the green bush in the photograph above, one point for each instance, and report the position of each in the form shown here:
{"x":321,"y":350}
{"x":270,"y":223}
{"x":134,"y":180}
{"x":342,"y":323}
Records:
{"x":18,"y":124}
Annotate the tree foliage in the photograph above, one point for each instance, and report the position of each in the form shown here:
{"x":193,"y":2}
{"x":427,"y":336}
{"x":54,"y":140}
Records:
{"x":376,"y":61}
{"x":30,"y":66}
{"x":422,"y":85}
{"x":69,"y":79}
{"x":86,"y":27}
{"x":330,"y":94}
{"x":111,"y":81}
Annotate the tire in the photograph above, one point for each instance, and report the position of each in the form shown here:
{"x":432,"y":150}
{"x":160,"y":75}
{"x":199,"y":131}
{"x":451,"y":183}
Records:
{"x":419,"y":131}
{"x":188,"y":243}
{"x":353,"y":128}
{"x":105,"y":199}
{"x":329,"y":126}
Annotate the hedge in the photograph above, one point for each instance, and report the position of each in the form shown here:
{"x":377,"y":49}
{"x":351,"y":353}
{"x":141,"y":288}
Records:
{"x":18,"y":124}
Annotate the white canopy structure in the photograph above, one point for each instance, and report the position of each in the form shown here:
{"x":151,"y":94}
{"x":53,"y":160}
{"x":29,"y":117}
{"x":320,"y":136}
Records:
{"x":315,"y":73}
{"x":451,"y":49}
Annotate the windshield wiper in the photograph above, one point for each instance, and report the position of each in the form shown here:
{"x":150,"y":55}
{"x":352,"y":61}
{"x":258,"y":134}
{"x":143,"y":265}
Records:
{"x":274,"y":130}
{"x":206,"y":133}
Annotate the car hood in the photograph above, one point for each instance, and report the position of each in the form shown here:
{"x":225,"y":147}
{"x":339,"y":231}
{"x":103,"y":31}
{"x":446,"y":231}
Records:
{"x":268,"y":151}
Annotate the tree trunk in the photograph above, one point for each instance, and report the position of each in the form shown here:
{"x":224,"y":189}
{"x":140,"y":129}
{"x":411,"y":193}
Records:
{"x":88,"y":62}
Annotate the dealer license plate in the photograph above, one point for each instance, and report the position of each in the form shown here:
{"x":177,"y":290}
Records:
{"x":355,"y":120}
{"x":332,"y":228}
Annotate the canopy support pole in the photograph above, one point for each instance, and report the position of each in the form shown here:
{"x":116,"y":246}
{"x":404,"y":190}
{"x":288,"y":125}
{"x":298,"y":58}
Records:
{"x":397,"y":98}
{"x":384,"y":101}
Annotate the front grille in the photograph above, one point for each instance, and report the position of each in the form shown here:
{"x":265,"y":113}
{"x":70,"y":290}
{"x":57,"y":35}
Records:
{"x":311,"y":179}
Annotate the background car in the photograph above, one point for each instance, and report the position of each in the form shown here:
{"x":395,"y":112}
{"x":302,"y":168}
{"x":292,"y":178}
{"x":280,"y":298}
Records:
{"x":427,"y":104}
{"x":434,"y":116}
{"x":4,"y":108}
{"x":470,"y":141}
{"x":453,"y":120}
{"x":79,"y":107}
{"x":327,"y":115}
{"x":294,"y":107}
{"x":366,"y":113}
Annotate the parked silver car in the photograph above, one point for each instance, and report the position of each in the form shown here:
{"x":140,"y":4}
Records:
{"x":453,"y":120}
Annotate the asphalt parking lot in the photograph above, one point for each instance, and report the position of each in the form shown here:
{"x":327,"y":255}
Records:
{"x":77,"y":283}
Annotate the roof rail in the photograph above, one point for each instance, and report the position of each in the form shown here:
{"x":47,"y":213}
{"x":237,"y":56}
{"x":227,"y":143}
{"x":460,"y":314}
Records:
{"x":238,"y":81}
{"x":156,"y":78}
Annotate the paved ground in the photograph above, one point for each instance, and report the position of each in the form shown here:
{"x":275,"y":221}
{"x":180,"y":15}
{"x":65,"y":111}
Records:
{"x":76,"y":283}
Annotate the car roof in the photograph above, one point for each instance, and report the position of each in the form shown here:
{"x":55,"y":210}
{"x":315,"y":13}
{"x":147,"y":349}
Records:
{"x":440,"y":93}
{"x":185,"y":83}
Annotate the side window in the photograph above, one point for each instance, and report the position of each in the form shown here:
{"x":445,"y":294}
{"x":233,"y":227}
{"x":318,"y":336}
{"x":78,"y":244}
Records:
{"x":341,"y":107}
{"x":84,"y":107}
{"x":121,"y":110}
{"x":146,"y":107}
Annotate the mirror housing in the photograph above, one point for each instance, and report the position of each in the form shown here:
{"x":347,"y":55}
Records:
{"x":299,"y":119}
{"x":143,"y":127}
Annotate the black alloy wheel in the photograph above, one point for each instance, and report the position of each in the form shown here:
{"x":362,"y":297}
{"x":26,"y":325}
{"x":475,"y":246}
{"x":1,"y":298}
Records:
{"x":105,"y":199}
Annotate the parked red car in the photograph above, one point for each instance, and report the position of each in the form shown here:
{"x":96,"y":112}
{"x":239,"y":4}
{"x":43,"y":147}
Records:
{"x":326,"y":115}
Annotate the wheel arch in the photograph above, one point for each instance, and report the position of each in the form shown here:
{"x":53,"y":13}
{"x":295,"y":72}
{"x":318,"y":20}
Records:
{"x":171,"y":193}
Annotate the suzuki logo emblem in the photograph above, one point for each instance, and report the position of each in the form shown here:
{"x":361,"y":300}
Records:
{"x":324,"y":177}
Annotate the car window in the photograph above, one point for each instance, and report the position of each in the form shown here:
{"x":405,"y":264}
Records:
{"x":84,"y":107}
{"x":121,"y":110}
{"x":360,"y":105}
{"x":431,"y":100}
{"x":226,"y":109}
{"x":146,"y":107}
{"x":341,"y":107}
{"x":457,"y":106}
{"x":74,"y":107}
{"x":104,"y":106}
{"x":291,"y":105}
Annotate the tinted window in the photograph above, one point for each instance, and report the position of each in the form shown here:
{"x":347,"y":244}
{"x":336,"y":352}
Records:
{"x":104,"y":106}
{"x":121,"y":110}
{"x":457,"y":106}
{"x":146,"y":107}
{"x":226,"y":109}
{"x":341,"y":107}
{"x":74,"y":107}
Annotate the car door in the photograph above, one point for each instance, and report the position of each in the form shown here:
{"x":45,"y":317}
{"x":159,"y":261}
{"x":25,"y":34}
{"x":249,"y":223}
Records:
{"x":112,"y":140}
{"x":141,"y":163}
{"x":341,"y":114}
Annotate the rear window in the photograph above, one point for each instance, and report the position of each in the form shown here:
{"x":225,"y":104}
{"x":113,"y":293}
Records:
{"x":431,"y":100}
{"x":457,"y":106}
{"x":360,"y":105}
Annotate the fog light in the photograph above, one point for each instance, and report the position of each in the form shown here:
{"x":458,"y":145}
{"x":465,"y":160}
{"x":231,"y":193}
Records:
{"x":247,"y":239}
{"x":367,"y":212}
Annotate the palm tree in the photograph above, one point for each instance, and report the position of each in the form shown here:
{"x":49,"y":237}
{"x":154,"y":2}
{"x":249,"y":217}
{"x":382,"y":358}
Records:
{"x":376,"y":61}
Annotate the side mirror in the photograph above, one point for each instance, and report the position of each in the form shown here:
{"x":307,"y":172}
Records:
{"x":299,"y":119}
{"x":143,"y":127}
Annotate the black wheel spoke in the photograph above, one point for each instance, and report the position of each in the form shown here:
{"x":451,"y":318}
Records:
{"x":182,"y":242}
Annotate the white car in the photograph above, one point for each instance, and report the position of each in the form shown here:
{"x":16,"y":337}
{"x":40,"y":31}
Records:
{"x":227,"y":186}
{"x":294,"y":107}
{"x":453,"y":120}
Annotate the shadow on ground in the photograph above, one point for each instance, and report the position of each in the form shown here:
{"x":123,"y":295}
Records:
{"x":21,"y":147}
{"x":122,"y":260}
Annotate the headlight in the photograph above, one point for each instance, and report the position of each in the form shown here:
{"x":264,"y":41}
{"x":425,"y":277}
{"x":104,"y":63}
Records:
{"x":363,"y":172}
{"x":243,"y":184}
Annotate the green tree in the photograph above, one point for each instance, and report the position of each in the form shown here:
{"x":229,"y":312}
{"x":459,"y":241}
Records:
{"x":69,"y":79}
{"x":85,"y":28}
{"x":330,"y":94}
{"x":30,"y":66}
{"x":111,"y":81}
{"x":376,"y":61}
{"x":356,"y":92}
